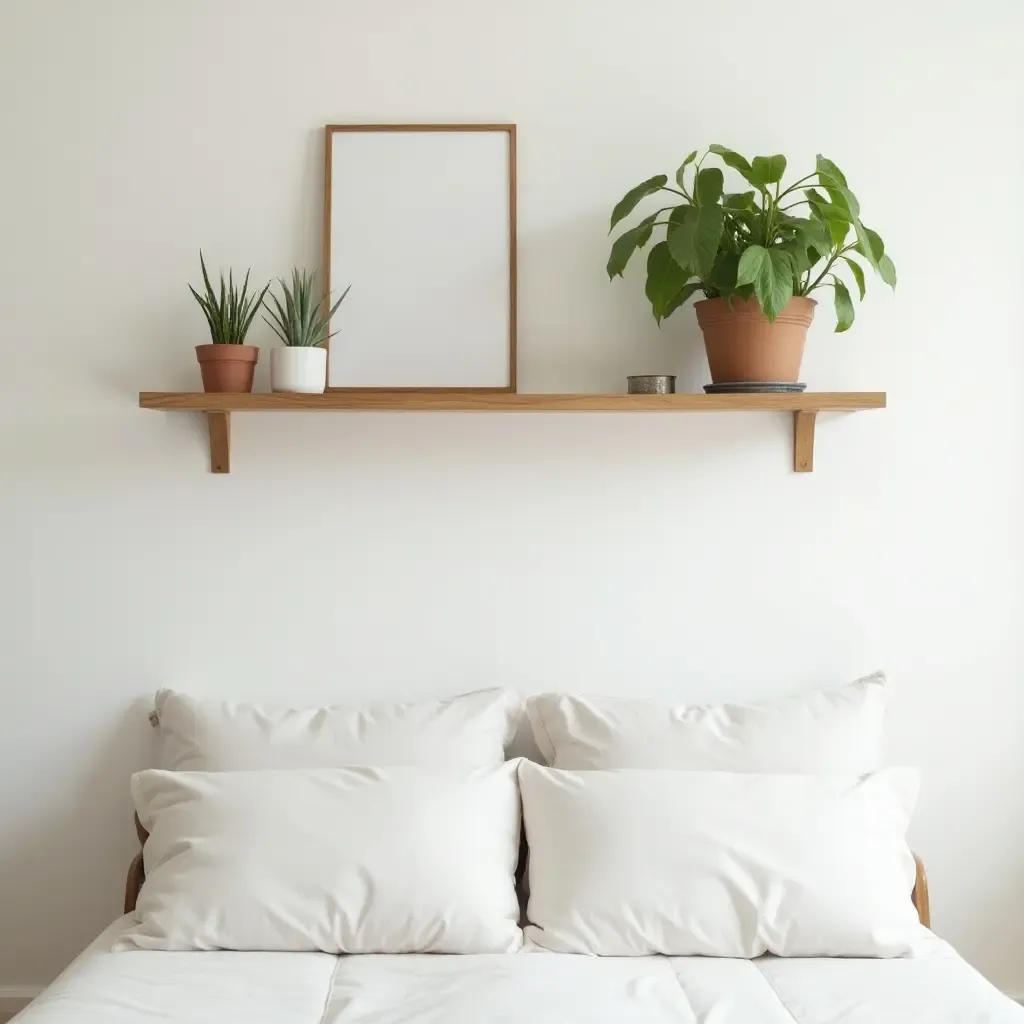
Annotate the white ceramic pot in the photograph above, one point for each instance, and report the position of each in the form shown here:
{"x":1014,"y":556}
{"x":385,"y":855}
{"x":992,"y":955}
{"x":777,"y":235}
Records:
{"x":298,"y":370}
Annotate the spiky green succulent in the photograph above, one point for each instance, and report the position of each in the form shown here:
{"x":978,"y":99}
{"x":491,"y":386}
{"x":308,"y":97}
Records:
{"x":296,"y":318}
{"x":229,"y":310}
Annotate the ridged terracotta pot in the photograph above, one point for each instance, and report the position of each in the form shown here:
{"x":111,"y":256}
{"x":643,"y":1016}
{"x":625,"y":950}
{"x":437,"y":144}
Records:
{"x":227,"y":367}
{"x":743,"y":346}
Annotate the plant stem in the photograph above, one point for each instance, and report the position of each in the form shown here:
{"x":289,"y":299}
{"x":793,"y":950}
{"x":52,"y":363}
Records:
{"x":769,"y":219}
{"x":663,"y":209}
{"x":797,"y":184}
{"x":828,"y":266}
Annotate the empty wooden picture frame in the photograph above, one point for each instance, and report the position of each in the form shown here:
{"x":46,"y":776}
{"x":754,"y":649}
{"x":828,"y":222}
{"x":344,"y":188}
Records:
{"x":421,"y":221}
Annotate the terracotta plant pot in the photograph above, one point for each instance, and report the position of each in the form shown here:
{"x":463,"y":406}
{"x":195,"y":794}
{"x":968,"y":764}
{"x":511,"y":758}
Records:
{"x":227,"y":367}
{"x":743,"y":346}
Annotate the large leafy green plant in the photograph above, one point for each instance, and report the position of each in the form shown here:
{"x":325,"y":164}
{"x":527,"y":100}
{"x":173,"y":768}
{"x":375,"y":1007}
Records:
{"x":229,"y":310}
{"x":298,"y":320}
{"x":769,"y":241}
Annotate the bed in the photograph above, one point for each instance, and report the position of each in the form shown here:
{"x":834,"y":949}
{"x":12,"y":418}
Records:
{"x":101,"y":987}
{"x":530,"y":986}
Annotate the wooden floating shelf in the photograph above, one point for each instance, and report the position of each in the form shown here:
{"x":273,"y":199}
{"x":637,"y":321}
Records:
{"x":504,"y":401}
{"x":219,"y":407}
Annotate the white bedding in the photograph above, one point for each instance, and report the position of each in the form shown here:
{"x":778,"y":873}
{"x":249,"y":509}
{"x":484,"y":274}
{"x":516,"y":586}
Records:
{"x":144,"y":987}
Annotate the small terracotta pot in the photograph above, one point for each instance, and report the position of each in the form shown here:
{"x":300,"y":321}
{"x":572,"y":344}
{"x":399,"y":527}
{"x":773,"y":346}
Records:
{"x":227,"y":367}
{"x":743,"y":346}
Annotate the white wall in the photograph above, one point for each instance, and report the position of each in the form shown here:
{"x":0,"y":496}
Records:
{"x":348,"y":557}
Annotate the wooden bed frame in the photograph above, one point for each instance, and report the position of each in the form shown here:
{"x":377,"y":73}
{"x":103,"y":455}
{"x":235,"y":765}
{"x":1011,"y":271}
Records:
{"x":137,"y":875}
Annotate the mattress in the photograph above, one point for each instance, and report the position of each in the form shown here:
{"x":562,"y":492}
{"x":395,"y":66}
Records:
{"x":101,"y":987}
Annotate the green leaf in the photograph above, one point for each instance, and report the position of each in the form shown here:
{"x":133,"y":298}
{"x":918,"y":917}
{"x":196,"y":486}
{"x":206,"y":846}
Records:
{"x":694,"y":235}
{"x":887,"y":269}
{"x":864,"y":244}
{"x":877,"y":245}
{"x":249,"y":312}
{"x":627,"y":204}
{"x":334,"y":308}
{"x":872,"y":248}
{"x":681,"y":173}
{"x":858,"y":275}
{"x":750,"y":264}
{"x":836,"y":218}
{"x":682,"y":226}
{"x":665,"y":279}
{"x":739,"y":201}
{"x":844,"y":306}
{"x":823,"y":208}
{"x":278,"y":321}
{"x":741,"y":228}
{"x":625,"y":245}
{"x":774,"y":284}
{"x":829,"y":169}
{"x":687,"y":290}
{"x":207,"y":312}
{"x":842,"y":197}
{"x":206,"y":276}
{"x":646,"y":228}
{"x":223,"y":312}
{"x":834,"y":231}
{"x":732,"y":159}
{"x":707,"y":237}
{"x":796,"y":252}
{"x":768,"y":169}
{"x":810,"y":229}
{"x":834,"y":183}
{"x":723,"y":274}
{"x":838,"y":230}
{"x":709,"y":186}
{"x":817,"y":235}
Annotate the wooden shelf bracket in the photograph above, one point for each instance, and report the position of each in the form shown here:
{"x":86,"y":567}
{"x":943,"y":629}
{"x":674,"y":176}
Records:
{"x":803,"y":440}
{"x":220,"y":441}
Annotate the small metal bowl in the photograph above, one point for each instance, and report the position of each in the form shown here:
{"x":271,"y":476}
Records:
{"x":651,"y":384}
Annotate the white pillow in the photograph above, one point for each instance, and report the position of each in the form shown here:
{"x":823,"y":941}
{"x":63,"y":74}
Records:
{"x":838,"y":730}
{"x":347,"y":860}
{"x":631,"y":863}
{"x":469,"y":731}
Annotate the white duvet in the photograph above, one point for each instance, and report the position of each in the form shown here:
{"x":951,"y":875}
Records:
{"x":102,"y":987}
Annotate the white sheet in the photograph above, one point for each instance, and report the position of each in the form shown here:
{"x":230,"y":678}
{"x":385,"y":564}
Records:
{"x":142,"y":987}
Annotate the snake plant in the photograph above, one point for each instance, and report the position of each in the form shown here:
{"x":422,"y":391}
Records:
{"x":295,"y":318}
{"x":229,"y":310}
